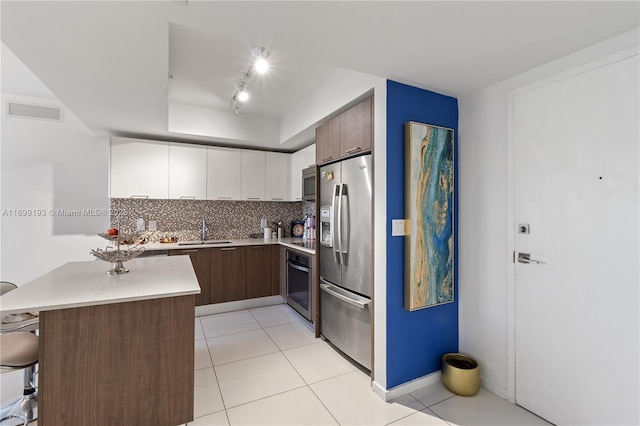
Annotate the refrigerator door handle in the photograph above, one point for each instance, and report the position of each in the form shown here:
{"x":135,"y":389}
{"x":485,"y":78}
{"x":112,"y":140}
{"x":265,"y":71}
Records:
{"x":329,"y":289}
{"x":339,"y":224}
{"x":335,"y":224}
{"x":343,"y":244}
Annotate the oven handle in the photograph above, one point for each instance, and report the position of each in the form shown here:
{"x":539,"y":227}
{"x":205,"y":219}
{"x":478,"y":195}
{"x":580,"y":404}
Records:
{"x":299,"y":268}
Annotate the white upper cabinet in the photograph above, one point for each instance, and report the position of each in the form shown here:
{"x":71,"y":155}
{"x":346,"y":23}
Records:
{"x":300,"y":160}
{"x":224,"y":173}
{"x":166,"y":170}
{"x":187,"y":171}
{"x":277,"y":176}
{"x":139,"y":168}
{"x":253,"y":175}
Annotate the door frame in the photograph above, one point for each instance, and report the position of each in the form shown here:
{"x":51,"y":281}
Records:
{"x":511,"y":223}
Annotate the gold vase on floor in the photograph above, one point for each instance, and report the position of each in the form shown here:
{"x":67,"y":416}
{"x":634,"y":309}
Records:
{"x":460,"y":374}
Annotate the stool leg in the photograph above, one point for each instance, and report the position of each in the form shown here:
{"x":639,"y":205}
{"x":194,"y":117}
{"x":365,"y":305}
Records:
{"x":25,"y":407}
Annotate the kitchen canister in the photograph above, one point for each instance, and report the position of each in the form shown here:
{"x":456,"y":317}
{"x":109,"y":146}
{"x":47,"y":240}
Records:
{"x":267,"y":233}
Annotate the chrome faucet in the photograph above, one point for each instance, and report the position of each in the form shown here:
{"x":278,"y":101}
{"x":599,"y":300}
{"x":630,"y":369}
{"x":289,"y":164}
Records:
{"x":204,"y":229}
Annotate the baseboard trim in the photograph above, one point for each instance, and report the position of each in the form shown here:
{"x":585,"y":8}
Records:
{"x":405,"y":388}
{"x":496,"y":389}
{"x":237,"y":305}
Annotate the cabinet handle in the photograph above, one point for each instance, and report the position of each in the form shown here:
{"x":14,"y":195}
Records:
{"x":277,"y":199}
{"x":299,"y":198}
{"x":228,"y":249}
{"x":224,"y":198}
{"x":327,"y":158}
{"x":258,"y":247}
{"x":187,"y":197}
{"x":140,"y":197}
{"x":188,"y":251}
{"x":354,"y":149}
{"x":253,"y":198}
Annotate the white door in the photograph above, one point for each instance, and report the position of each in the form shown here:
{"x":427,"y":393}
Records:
{"x":576,"y":186}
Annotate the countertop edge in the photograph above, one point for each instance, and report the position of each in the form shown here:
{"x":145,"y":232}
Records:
{"x":286,"y":242}
{"x":85,"y":283}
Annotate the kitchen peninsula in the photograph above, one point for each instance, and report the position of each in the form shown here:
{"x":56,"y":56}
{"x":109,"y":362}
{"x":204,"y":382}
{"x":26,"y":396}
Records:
{"x":114,"y":349}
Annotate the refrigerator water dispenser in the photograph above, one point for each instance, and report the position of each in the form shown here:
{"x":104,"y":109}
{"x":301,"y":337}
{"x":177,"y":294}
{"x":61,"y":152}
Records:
{"x":326,"y":224}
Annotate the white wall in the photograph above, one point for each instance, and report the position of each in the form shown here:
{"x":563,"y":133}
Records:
{"x":224,"y":125}
{"x":47,"y":166}
{"x":485,"y":262}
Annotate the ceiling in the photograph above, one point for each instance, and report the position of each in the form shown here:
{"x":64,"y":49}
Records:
{"x":110,"y":62}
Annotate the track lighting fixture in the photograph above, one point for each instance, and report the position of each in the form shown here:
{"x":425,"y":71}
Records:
{"x":259,"y":65}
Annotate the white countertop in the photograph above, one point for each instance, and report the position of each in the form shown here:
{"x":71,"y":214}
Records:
{"x":309,"y":246}
{"x":77,"y":284}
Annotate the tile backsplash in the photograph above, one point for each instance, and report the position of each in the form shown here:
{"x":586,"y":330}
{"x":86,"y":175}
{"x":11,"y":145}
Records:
{"x":225,"y":219}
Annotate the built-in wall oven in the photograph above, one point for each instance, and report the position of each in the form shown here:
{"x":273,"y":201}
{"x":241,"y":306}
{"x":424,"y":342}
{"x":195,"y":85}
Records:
{"x":299,"y":283}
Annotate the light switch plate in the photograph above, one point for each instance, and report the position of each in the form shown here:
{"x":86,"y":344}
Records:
{"x":140,"y":224}
{"x":153,"y":225}
{"x":399,"y":227}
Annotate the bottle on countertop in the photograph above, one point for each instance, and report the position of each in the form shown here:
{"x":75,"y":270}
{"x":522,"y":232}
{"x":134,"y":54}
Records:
{"x":305,"y":235}
{"x":312,"y":227}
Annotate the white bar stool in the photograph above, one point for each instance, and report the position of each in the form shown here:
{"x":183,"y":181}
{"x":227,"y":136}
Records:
{"x":19,"y":350}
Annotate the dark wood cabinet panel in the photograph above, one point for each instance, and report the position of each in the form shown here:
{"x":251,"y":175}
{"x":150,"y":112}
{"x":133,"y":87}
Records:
{"x":347,"y":134}
{"x":96,"y":360}
{"x":277,"y":264}
{"x":200,"y":261}
{"x":328,"y":141}
{"x":356,"y":129}
{"x":228,"y":274}
{"x":260,"y":271}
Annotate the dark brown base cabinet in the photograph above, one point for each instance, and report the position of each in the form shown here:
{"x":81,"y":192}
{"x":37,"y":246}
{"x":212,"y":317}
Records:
{"x":263,"y":271}
{"x":228,"y":274}
{"x":200,"y":262}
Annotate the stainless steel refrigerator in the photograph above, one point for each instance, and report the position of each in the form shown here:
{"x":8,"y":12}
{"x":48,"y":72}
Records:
{"x":345,"y":256}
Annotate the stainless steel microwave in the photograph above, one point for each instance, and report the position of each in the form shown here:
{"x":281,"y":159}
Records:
{"x":309,"y":184}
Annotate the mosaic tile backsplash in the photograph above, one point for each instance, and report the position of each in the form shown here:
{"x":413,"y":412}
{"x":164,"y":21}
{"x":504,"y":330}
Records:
{"x":225,"y":219}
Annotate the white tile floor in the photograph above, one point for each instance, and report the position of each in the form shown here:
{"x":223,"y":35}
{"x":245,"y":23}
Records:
{"x":264,"y":366}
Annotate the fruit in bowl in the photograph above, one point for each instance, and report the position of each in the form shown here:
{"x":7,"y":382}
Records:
{"x":112,"y":232}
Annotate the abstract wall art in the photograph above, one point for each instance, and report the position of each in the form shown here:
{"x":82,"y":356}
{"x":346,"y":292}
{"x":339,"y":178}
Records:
{"x":429,"y":207}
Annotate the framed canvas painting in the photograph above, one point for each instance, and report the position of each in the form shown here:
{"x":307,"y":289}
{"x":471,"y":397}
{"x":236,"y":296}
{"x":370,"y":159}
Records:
{"x":429,"y":198}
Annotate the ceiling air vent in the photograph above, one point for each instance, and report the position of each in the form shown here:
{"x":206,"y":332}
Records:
{"x":34,"y":111}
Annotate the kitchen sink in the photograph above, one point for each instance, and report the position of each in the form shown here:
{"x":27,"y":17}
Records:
{"x":199,"y":243}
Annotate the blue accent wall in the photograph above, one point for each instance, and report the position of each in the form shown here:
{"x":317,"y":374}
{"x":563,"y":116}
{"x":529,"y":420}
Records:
{"x":416,"y":340}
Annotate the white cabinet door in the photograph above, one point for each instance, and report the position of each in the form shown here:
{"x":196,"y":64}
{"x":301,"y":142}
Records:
{"x":300,"y":160}
{"x":139,"y":168}
{"x":187,"y":171}
{"x":224,"y":173}
{"x":277,"y":176}
{"x":253,"y":175}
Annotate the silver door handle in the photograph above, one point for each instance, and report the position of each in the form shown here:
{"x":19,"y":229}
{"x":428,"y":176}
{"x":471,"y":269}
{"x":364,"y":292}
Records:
{"x":335,"y":226}
{"x":344,"y":193}
{"x":526,"y":258}
{"x":329,"y":290}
